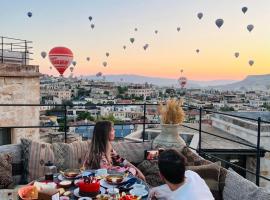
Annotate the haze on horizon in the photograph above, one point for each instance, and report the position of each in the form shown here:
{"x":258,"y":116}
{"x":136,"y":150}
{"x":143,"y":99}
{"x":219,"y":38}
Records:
{"x":66,"y":23}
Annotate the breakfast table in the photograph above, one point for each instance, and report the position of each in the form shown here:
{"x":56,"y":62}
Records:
{"x":104,"y":186}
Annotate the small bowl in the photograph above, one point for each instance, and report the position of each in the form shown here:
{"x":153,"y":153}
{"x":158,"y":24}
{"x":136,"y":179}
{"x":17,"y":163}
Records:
{"x":65,"y":184}
{"x":71,"y":173}
{"x":114,"y":178}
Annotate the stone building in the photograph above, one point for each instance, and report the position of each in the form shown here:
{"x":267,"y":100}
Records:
{"x":19,"y":84}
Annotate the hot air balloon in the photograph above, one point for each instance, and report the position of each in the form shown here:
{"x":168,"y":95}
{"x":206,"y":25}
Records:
{"x":99,"y":74}
{"x":90,"y":18}
{"x":156,"y":31}
{"x":43,"y":54}
{"x":244,"y":9}
{"x":132,"y":40}
{"x":61,"y":58}
{"x":250,"y":27}
{"x":135,"y":29}
{"x":145,"y":46}
{"x":121,"y":79}
{"x":182,"y":81}
{"x":197,"y":50}
{"x":200,"y":15}
{"x":71,"y":69}
{"x":29,"y":14}
{"x":88,"y":58}
{"x":107,"y":54}
{"x":92,"y":26}
{"x":219,"y":22}
{"x":74,"y":63}
{"x":178,"y":29}
{"x":250,"y":62}
{"x":181,"y":71}
{"x":236,"y":54}
{"x":104,"y":64}
{"x":51,"y":67}
{"x":124,"y":47}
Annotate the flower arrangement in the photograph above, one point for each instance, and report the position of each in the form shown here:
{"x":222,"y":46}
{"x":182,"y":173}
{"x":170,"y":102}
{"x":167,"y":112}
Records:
{"x":172,"y":112}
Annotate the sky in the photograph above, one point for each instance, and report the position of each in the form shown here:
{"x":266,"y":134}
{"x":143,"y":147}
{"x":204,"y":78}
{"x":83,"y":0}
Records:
{"x":65,"y":23}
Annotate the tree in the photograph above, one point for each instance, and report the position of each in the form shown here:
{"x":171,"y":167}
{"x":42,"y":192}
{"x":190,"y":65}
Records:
{"x":226,"y":109}
{"x":122,"y":90}
{"x":85,"y":115}
{"x":267,"y":106}
{"x":107,"y":93}
{"x":67,"y":103}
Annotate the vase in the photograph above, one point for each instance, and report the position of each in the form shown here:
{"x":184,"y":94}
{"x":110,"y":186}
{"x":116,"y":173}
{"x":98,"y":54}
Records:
{"x":169,"y":138}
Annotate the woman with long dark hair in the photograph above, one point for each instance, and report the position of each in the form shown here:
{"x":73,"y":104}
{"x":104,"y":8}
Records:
{"x":101,"y":154}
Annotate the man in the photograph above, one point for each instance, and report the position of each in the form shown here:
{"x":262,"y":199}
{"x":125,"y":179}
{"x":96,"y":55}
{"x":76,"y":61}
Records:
{"x":180,"y":184}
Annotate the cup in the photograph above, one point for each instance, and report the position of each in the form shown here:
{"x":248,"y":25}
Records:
{"x":101,"y":172}
{"x":138,"y":186}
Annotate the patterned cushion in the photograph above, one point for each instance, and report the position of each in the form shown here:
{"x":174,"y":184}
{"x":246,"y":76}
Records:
{"x":76,"y":152}
{"x":64,"y":156}
{"x":133,"y":152}
{"x":194,"y":159}
{"x":6,"y":180}
{"x":35,"y":155}
{"x":235,"y":183}
{"x":151,"y":172}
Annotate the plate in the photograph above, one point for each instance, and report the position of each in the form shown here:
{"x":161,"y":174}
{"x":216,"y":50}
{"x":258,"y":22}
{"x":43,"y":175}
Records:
{"x":138,"y":192}
{"x":76,"y":192}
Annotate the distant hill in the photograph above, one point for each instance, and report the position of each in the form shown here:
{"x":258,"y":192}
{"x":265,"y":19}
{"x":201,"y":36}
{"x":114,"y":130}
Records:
{"x":252,"y":82}
{"x":159,"y":81}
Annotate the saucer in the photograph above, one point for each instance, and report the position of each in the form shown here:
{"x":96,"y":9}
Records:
{"x":138,"y":192}
{"x":76,"y":192}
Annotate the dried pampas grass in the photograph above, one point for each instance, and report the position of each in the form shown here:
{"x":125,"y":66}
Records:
{"x":172,"y":112}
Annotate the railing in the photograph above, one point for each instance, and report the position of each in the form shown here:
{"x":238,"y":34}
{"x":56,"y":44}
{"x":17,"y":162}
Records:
{"x":259,"y":151}
{"x":15,"y":51}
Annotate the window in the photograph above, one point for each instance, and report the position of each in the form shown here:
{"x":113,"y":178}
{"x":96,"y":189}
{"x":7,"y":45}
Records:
{"x":5,"y":136}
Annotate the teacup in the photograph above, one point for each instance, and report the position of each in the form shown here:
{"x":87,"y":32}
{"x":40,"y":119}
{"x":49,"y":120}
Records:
{"x":101,"y":172}
{"x":138,"y":186}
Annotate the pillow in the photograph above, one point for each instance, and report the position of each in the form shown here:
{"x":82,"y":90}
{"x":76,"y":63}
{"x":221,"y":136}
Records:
{"x":210,"y":174}
{"x":151,"y":172}
{"x":132,"y":151}
{"x":6,"y":180}
{"x":237,"y":187}
{"x":64,"y":156}
{"x":76,"y":152}
{"x":193,"y":159}
{"x":34,"y":157}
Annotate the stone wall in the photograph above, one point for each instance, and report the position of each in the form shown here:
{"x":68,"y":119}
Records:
{"x":20,"y":85}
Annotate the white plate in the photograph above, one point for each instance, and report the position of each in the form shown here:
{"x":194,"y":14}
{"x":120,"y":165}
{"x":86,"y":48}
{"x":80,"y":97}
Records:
{"x":85,"y":198}
{"x":138,"y":192}
{"x":104,"y":183}
{"x":76,"y":192}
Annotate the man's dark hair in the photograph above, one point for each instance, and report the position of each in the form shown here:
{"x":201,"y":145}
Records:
{"x":172,"y":166}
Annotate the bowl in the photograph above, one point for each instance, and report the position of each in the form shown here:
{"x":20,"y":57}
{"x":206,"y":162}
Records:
{"x":71,"y":173}
{"x":65,"y":184}
{"x":114,"y":178}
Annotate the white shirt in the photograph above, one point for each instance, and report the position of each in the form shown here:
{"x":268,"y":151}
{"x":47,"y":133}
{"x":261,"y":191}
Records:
{"x":194,"y":188}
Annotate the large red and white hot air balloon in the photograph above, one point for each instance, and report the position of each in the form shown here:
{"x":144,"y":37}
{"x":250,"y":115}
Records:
{"x":182,"y":80}
{"x":61,"y":58}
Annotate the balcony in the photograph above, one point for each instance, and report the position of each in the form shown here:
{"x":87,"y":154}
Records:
{"x":212,"y":141}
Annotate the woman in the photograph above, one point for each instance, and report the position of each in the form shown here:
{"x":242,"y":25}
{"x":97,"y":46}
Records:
{"x":101,"y":154}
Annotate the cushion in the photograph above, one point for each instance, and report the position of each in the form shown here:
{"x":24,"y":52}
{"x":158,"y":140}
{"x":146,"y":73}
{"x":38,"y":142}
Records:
{"x":151,"y":172}
{"x":64,"y":156}
{"x":6,"y":180}
{"x":34,"y":157}
{"x":210,"y":174}
{"x":9,"y":194}
{"x":237,"y":187}
{"x":132,"y":151}
{"x":76,"y":152}
{"x":193,"y":159}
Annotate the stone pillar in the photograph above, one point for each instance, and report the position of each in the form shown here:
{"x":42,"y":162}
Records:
{"x":19,"y":84}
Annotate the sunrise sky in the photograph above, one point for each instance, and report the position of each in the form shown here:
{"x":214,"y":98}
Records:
{"x":65,"y":23}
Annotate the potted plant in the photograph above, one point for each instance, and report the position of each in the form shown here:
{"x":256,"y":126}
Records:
{"x":172,"y":115}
